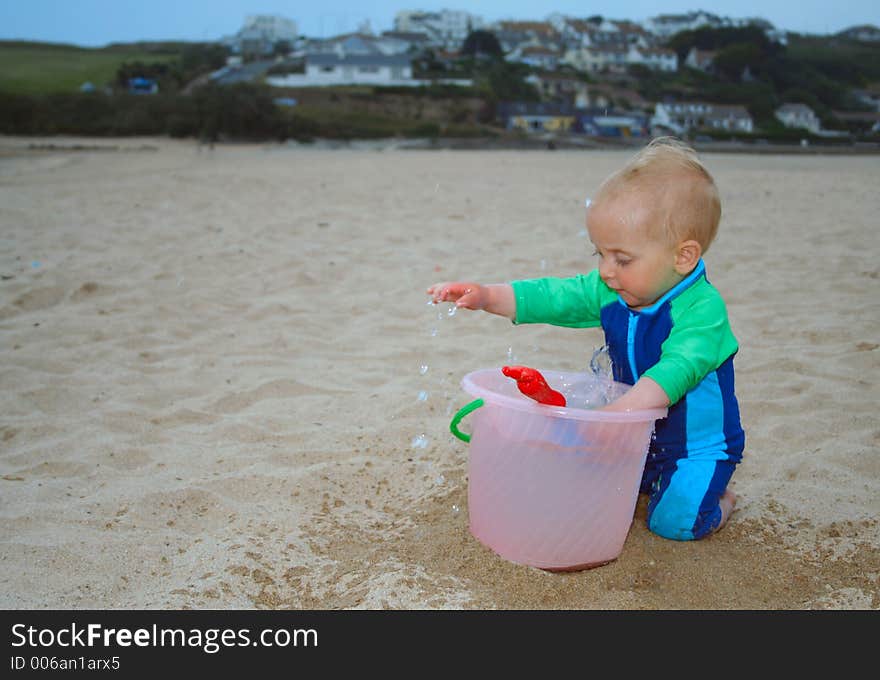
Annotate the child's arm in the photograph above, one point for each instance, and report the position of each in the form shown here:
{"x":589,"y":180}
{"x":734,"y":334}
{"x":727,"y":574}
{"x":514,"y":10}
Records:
{"x":645,"y":394}
{"x":495,"y":298}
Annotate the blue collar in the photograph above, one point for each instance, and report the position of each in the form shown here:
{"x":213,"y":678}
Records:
{"x":678,"y":288}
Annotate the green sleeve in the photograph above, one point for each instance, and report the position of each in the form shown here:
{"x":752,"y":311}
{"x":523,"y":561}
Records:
{"x":699,"y":342}
{"x":574,"y":302}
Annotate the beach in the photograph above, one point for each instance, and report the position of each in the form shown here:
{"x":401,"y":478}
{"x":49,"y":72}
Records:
{"x":223,"y":387}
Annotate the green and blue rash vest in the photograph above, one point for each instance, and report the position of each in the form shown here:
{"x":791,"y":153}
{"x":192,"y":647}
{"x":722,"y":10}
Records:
{"x":683,"y":342}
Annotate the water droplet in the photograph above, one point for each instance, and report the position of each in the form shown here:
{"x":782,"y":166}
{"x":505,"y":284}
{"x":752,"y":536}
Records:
{"x":455,"y":509}
{"x":423,"y":396}
{"x":582,"y":233}
{"x":452,"y":310}
{"x":543,"y":265}
{"x":433,"y":332}
{"x":420,"y":441}
{"x":587,"y":203}
{"x":511,"y":357}
{"x":423,"y":369}
{"x":440,"y":480}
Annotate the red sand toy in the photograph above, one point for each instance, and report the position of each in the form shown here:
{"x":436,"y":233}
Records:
{"x":532,"y":384}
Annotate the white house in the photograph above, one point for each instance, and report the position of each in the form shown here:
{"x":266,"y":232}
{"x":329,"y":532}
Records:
{"x":535,"y":55}
{"x":657,"y":58}
{"x":356,"y":69}
{"x":701,"y":60}
{"x":667,"y":25}
{"x":865,"y":32}
{"x":445,"y":28}
{"x":349,"y":69}
{"x":798,"y":116}
{"x":679,"y":117}
{"x":611,"y":58}
{"x":515,"y":35}
{"x":359,"y":43}
{"x":261,"y":32}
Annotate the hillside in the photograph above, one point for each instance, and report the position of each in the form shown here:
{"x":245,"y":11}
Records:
{"x":51,"y":68}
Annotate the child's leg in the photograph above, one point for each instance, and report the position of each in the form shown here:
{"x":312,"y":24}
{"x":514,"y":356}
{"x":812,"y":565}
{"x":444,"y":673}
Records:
{"x":689,"y":498}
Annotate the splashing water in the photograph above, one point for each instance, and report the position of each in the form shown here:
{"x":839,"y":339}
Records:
{"x":600,"y":363}
{"x":420,"y":441}
{"x":423,"y":369}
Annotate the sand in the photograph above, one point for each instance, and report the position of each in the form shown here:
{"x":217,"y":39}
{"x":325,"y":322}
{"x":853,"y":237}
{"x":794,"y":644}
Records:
{"x":211,"y":365}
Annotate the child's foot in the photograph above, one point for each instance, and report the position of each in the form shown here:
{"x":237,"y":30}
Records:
{"x":727,"y":503}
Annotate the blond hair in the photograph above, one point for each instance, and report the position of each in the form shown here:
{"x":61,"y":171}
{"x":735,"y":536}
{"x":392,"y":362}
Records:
{"x":684,"y":200}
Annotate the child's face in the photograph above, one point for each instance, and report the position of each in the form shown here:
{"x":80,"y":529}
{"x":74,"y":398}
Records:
{"x":638,"y":266}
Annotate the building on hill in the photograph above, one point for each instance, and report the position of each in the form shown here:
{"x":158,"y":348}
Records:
{"x":516,"y":35}
{"x":667,"y":25}
{"x":702,"y":60}
{"x":865,"y":33}
{"x":537,"y":116}
{"x":360,"y":44}
{"x":655,"y":58}
{"x":261,"y":33}
{"x":682,"y":117}
{"x":322,"y":69}
{"x":537,"y":56}
{"x":416,"y":42}
{"x":868,"y":96}
{"x":446,"y":28}
{"x":610,"y":59}
{"x":798,"y":116}
{"x":557,"y":87}
{"x":611,"y":123}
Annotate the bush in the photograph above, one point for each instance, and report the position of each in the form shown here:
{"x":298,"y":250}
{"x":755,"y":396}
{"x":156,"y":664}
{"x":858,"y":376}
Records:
{"x":238,"y":111}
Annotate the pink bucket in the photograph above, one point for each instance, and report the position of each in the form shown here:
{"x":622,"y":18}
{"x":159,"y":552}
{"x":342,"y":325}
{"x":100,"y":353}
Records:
{"x":548,"y":486}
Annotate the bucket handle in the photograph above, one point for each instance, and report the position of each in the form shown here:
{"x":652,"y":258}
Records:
{"x":456,"y":419}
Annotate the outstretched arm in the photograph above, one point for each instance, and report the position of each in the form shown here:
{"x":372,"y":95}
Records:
{"x":495,"y":298}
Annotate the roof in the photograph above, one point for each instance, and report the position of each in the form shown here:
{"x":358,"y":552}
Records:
{"x":525,"y":26}
{"x":795,"y":108}
{"x":535,"y":109}
{"x":713,"y":111}
{"x":657,"y":51}
{"x":539,"y":49}
{"x":358,"y":59}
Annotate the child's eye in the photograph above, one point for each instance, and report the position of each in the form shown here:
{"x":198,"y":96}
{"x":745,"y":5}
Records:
{"x":623,"y":263}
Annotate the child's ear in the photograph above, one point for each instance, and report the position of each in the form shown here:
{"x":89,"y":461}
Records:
{"x":687,"y":255}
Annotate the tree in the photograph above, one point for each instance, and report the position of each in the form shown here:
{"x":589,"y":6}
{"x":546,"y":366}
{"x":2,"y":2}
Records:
{"x":732,"y":60}
{"x":482,"y":44}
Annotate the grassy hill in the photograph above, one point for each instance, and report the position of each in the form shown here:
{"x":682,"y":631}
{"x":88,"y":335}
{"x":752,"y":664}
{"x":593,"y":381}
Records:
{"x":51,"y":68}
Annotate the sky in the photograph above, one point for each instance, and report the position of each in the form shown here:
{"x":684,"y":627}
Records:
{"x":94,"y":23}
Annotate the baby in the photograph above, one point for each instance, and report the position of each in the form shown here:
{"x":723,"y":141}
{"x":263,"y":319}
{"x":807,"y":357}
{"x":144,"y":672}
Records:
{"x":665,"y":325}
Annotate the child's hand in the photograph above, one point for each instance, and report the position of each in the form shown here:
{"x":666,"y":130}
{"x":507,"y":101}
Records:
{"x":463,"y":294}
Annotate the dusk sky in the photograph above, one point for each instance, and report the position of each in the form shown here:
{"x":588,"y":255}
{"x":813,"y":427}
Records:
{"x":99,"y":22}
